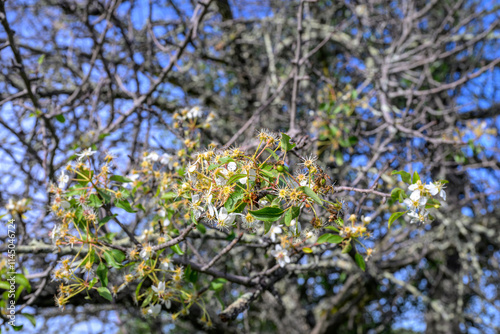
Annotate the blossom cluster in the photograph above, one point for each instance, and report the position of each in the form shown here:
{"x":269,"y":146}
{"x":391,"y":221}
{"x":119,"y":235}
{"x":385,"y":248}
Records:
{"x":289,"y":205}
{"x":419,"y":197}
{"x":422,"y":198}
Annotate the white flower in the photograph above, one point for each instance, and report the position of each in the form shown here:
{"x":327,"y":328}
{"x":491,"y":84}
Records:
{"x":55,"y":233}
{"x":440,"y":187}
{"x":432,"y":188}
{"x":281,"y":255}
{"x":250,"y":175}
{"x":166,"y":222}
{"x":195,"y":112}
{"x":232,"y":166}
{"x":166,"y":264}
{"x":249,"y":222}
{"x":146,"y":252}
{"x":366,"y":220}
{"x":162,"y":213}
{"x":63,"y":180}
{"x":415,"y":195}
{"x":153,"y":156}
{"x":167,"y":160}
{"x":275,"y":229}
{"x":159,"y":289}
{"x":420,"y":217}
{"x":85,"y":153}
{"x":154,"y":310}
{"x":10,"y":205}
{"x":224,"y":219}
{"x":196,"y":207}
{"x":192,"y":167}
{"x":415,"y":204}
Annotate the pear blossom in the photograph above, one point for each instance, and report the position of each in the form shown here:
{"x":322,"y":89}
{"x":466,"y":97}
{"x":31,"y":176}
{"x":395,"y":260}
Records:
{"x":224,"y":219}
{"x":432,"y":188}
{"x":85,"y":153}
{"x":194,"y":112}
{"x":159,"y":289}
{"x":415,"y":204}
{"x":167,"y":160}
{"x":420,"y":217}
{"x":166,"y":264}
{"x":275,"y":229}
{"x":63,"y":180}
{"x":249,"y":222}
{"x":417,"y":189}
{"x":152,"y":157}
{"x":154,"y":310}
{"x":146,"y":252}
{"x":440,"y":187}
{"x":161,"y":213}
{"x":281,"y":255}
{"x":232,"y":166}
{"x":196,"y":207}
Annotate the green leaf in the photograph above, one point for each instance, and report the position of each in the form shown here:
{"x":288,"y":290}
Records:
{"x":177,"y":249}
{"x":398,"y":194}
{"x":309,"y":192}
{"x":235,"y":178}
{"x":104,"y":195}
{"x":217,"y":284}
{"x":347,"y":248}
{"x":416,"y":177}
{"x":61,"y":118}
{"x":106,"y":219}
{"x":271,"y":152}
{"x":17,"y":328}
{"x":200,"y":227}
{"x":93,"y":282}
{"x":307,"y":250}
{"x":332,"y":228}
{"x":225,"y":160}
{"x":406,"y":177}
{"x":191,"y":275}
{"x":394,"y":217}
{"x":30,"y":317}
{"x":233,"y":199}
{"x":110,"y":259}
{"x":102,"y":273}
{"x":213,"y":166}
{"x":104,"y":292}
{"x":125,"y":205}
{"x":95,"y":201}
{"x":323,"y":238}
{"x":285,"y":143}
{"x":335,"y":239}
{"x":267,"y":214}
{"x":118,"y":255}
{"x":41,"y":59}
{"x":360,"y":261}
{"x":21,"y":280}
{"x":267,"y":226}
{"x":119,"y":178}
{"x":168,"y":195}
{"x":4,"y":285}
{"x":291,"y":214}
